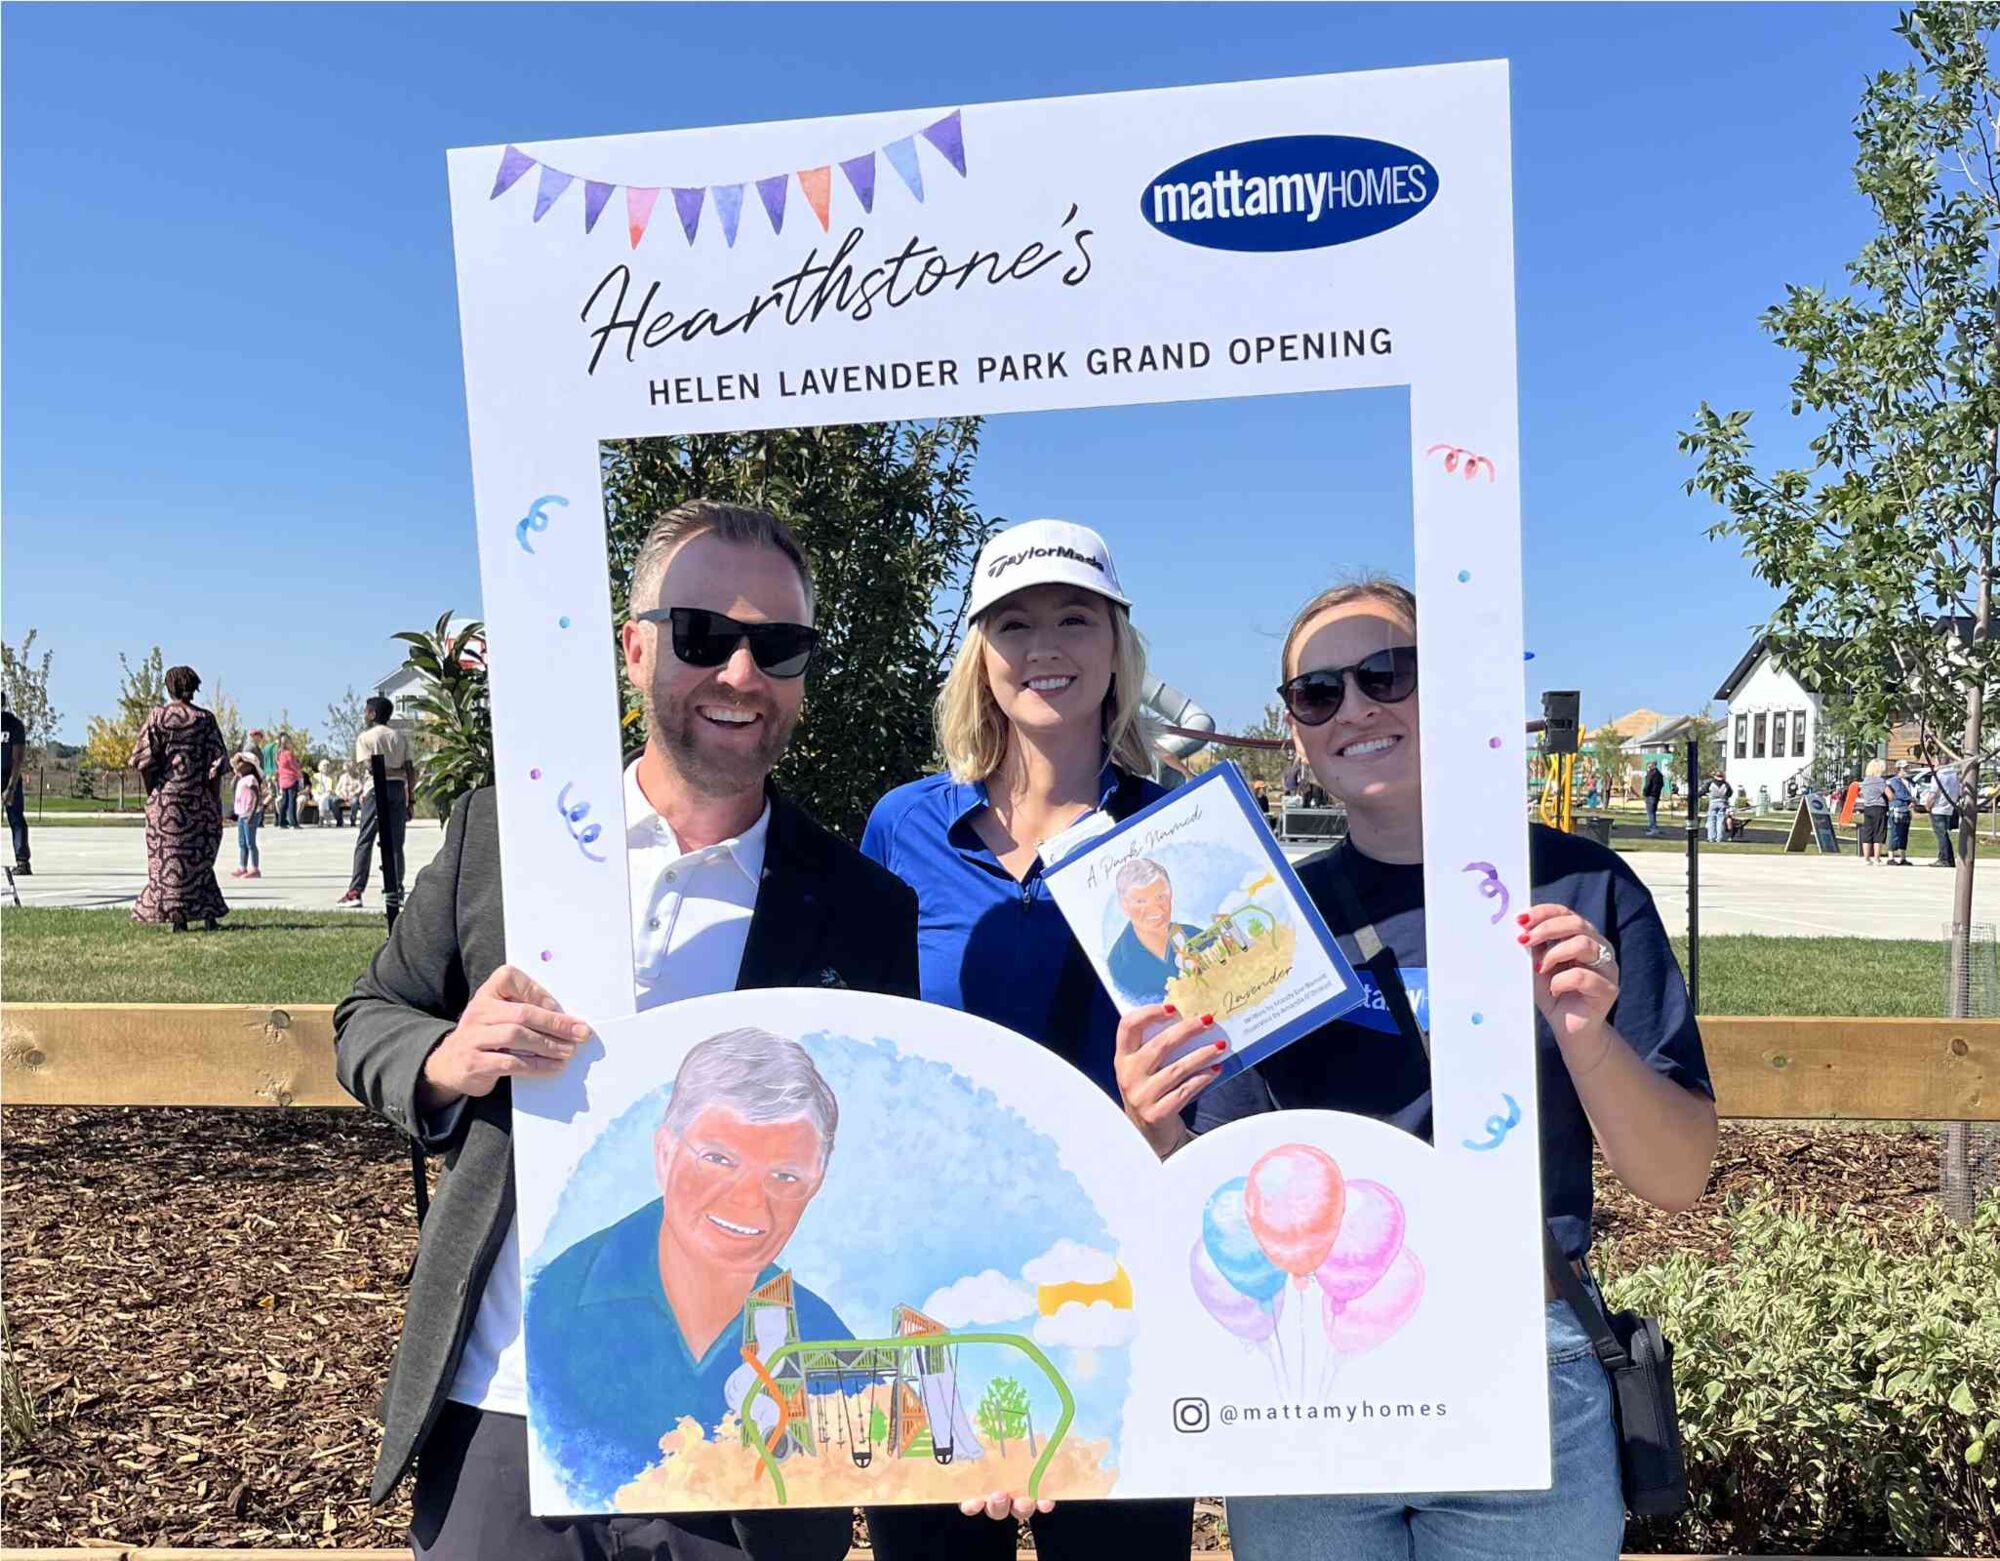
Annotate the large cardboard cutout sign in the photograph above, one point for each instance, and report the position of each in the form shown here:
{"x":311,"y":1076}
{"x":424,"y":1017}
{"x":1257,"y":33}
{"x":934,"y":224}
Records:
{"x":1256,"y":239}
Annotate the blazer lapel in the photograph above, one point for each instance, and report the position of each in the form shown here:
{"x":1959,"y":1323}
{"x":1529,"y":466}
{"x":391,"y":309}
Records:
{"x":791,"y":908}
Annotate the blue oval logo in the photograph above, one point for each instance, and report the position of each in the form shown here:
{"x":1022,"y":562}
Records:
{"x":1289,"y":192}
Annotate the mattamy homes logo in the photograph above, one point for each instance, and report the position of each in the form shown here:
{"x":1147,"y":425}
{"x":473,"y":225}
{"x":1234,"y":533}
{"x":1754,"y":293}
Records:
{"x":1289,"y":192}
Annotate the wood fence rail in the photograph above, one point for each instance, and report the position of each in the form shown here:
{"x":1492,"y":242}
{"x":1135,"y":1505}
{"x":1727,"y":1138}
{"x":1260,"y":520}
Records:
{"x":224,"y":1054}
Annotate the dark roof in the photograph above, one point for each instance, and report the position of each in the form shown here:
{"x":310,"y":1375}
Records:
{"x":1956,"y":624}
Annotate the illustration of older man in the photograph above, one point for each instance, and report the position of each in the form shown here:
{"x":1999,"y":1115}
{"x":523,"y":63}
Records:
{"x":642,"y":1323}
{"x":1144,"y":959}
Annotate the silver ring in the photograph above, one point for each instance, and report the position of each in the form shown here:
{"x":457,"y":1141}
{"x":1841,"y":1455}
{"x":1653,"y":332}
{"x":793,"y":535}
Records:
{"x":1605,"y":956}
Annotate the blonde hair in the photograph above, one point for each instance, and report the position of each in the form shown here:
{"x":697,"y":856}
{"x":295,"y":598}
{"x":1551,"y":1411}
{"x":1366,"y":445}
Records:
{"x":1378,"y":588}
{"x":1876,"y":768}
{"x":972,"y":733}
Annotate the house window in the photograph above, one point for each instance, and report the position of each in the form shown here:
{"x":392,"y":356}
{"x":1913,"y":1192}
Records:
{"x":1743,"y":737}
{"x":1798,"y":734}
{"x":1757,"y":742}
{"x":1778,"y":735}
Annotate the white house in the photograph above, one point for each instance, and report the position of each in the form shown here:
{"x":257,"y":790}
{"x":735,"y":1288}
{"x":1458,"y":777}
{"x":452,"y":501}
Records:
{"x":400,"y":686}
{"x":1773,"y":721}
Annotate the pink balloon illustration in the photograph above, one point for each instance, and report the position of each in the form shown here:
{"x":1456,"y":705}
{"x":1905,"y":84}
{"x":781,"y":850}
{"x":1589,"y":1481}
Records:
{"x":1370,"y":1236}
{"x":1251,"y":1321}
{"x":1367,"y":1320}
{"x":1293,"y":1201}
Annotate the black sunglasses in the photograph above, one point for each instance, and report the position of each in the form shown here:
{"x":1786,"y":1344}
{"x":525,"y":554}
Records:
{"x":1388,"y":677}
{"x":708,"y":639}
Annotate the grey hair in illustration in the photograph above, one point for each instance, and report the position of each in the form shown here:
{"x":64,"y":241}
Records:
{"x":1138,"y":873}
{"x":761,"y":1077}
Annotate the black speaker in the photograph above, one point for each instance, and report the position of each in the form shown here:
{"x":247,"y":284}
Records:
{"x":1559,"y":712}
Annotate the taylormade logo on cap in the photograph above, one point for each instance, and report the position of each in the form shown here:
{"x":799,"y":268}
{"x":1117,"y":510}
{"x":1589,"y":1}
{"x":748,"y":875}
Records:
{"x":1043,"y":552}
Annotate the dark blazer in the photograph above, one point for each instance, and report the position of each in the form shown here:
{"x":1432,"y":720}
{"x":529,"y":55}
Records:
{"x":825,"y":916}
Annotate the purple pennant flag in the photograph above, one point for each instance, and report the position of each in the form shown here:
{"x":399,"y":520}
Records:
{"x":772,"y":190}
{"x":554,"y":182}
{"x":729,"y":207}
{"x":860,"y":173}
{"x":902,"y":157}
{"x":688,"y":204}
{"x":948,"y":136}
{"x":513,"y":163}
{"x":594,"y":197}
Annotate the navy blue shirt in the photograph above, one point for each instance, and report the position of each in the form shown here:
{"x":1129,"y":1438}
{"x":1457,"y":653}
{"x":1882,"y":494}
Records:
{"x":1347,"y":1067}
{"x":987,"y":945}
{"x":608,"y":1371}
{"x":1138,"y":972}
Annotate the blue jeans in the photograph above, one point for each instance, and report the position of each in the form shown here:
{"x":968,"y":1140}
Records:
{"x":1717,"y":811}
{"x":288,"y":807}
{"x":246,"y":840}
{"x":1581,"y":1517}
{"x":1652,"y":815}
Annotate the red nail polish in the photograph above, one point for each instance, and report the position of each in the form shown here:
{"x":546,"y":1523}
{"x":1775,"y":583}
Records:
{"x":1523,"y":938}
{"x":1208,"y":1018}
{"x":1171,"y":1009}
{"x":1216,"y":1069}
{"x":1222,"y":1046}
{"x":1522,"y":918}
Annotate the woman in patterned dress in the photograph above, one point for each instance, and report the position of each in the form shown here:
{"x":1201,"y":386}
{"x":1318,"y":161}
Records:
{"x":179,"y":758}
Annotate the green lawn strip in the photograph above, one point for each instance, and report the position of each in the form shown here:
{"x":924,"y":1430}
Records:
{"x":259,"y":956}
{"x":1865,"y":977}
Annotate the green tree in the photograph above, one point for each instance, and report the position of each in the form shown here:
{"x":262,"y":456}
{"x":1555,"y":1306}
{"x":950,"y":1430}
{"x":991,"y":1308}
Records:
{"x":1003,"y":1412}
{"x":109,"y":740}
{"x":1708,"y":735}
{"x":1882,"y":544}
{"x":886,"y":514}
{"x":878,"y":1425}
{"x":454,"y":718}
{"x":343,"y":725}
{"x":1607,"y":757}
{"x":26,"y":681}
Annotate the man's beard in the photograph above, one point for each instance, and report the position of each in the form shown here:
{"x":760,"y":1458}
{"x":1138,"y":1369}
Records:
{"x":682,"y":737}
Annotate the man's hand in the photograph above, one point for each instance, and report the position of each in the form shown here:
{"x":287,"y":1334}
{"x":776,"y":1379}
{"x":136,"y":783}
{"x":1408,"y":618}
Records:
{"x":512,"y":1028}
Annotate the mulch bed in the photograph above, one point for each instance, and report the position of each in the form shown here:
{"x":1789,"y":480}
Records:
{"x":203,"y":1306}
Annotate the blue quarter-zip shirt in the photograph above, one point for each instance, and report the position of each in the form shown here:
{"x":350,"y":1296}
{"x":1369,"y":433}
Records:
{"x":985,"y":944}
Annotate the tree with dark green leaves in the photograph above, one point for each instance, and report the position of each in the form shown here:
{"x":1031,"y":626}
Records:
{"x":1882,"y":542}
{"x":454,"y":720}
{"x":886,"y":514}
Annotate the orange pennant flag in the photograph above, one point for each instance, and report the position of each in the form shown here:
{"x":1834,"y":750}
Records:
{"x":818,"y":185}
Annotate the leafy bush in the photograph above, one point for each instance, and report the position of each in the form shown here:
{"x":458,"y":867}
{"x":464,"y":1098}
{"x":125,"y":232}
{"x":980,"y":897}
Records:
{"x":1836,"y":1395}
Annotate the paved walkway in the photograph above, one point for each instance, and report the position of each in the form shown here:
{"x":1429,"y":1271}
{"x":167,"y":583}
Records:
{"x":304,"y":869}
{"x":1781,"y":896}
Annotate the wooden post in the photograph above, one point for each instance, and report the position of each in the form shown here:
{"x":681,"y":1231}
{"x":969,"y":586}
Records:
{"x":1694,"y":882}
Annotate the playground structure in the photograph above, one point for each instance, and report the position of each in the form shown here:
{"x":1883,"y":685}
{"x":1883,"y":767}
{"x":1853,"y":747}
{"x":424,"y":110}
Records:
{"x":1227,"y":933}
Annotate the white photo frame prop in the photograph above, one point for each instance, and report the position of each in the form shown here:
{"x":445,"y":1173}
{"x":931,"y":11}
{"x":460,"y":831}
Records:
{"x":1312,"y":234}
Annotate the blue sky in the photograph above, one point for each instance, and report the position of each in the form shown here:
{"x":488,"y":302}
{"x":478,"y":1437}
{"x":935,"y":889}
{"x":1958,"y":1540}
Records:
{"x":233,"y":419}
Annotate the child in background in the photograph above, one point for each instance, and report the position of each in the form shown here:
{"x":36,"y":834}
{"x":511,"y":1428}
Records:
{"x":249,"y":810}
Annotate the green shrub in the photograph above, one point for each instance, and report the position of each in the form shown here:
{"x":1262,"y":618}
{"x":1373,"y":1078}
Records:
{"x":1835,"y":1395}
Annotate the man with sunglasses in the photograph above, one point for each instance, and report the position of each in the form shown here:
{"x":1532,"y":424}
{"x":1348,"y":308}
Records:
{"x":732,"y":886}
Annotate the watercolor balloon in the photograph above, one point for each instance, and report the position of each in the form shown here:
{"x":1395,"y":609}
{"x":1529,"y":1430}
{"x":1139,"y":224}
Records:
{"x":1294,"y":1199}
{"x":1251,"y":1321}
{"x":1370,"y":1236}
{"x":1232,"y":1245}
{"x":1367,"y":1320}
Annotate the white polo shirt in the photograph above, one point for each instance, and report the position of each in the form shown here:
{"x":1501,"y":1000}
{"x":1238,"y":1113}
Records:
{"x":690,"y":922}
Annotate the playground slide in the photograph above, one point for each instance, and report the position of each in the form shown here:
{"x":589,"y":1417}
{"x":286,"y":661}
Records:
{"x":943,"y":1406}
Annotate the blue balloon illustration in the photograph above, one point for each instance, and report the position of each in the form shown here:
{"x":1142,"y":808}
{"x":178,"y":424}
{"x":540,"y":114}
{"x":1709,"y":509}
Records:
{"x":1233,"y":1246}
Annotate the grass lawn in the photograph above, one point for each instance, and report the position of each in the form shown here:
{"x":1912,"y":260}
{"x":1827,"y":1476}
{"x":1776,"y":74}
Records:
{"x":70,"y":956}
{"x":74,"y":956}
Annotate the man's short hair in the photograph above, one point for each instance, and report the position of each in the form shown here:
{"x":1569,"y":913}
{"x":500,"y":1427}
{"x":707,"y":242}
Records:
{"x":1139,"y":873}
{"x":182,"y":683}
{"x":761,"y":1077}
{"x":744,"y":525}
{"x":379,"y":709}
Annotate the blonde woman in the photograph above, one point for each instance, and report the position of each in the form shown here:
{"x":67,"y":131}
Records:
{"x":1872,"y":815}
{"x":1039,"y":724}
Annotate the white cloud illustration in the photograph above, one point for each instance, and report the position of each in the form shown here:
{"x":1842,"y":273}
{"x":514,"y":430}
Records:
{"x":986,"y":1297}
{"x":1070,"y":1262}
{"x":1100,"y":1325}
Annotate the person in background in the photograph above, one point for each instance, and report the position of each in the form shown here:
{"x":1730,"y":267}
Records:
{"x":1039,"y":723}
{"x":289,"y":780}
{"x":348,"y":790}
{"x":1655,"y":788}
{"x":1636,"y":1086}
{"x":325,"y":789}
{"x":248,"y":806}
{"x":1902,"y":804}
{"x":1941,"y":802}
{"x":13,"y":766}
{"x":1718,"y":805}
{"x":378,"y":737}
{"x":180,"y":756}
{"x":1872,"y":816}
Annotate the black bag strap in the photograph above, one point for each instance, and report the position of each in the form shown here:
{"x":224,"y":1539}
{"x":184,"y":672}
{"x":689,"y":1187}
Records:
{"x":1567,"y":1284}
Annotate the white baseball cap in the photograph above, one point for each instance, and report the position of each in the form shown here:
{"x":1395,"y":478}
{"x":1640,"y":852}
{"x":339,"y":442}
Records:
{"x":1043,"y":552}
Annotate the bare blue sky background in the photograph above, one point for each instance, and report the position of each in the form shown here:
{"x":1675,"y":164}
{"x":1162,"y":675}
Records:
{"x":233,"y":420}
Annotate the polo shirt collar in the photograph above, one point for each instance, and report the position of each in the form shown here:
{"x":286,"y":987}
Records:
{"x":646,"y":830}
{"x":627,"y":1266}
{"x":968,"y":797}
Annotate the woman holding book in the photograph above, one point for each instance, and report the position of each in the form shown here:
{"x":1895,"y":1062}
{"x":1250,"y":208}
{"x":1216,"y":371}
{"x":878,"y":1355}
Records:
{"x":1621,"y":1066}
{"x":1039,"y":724}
